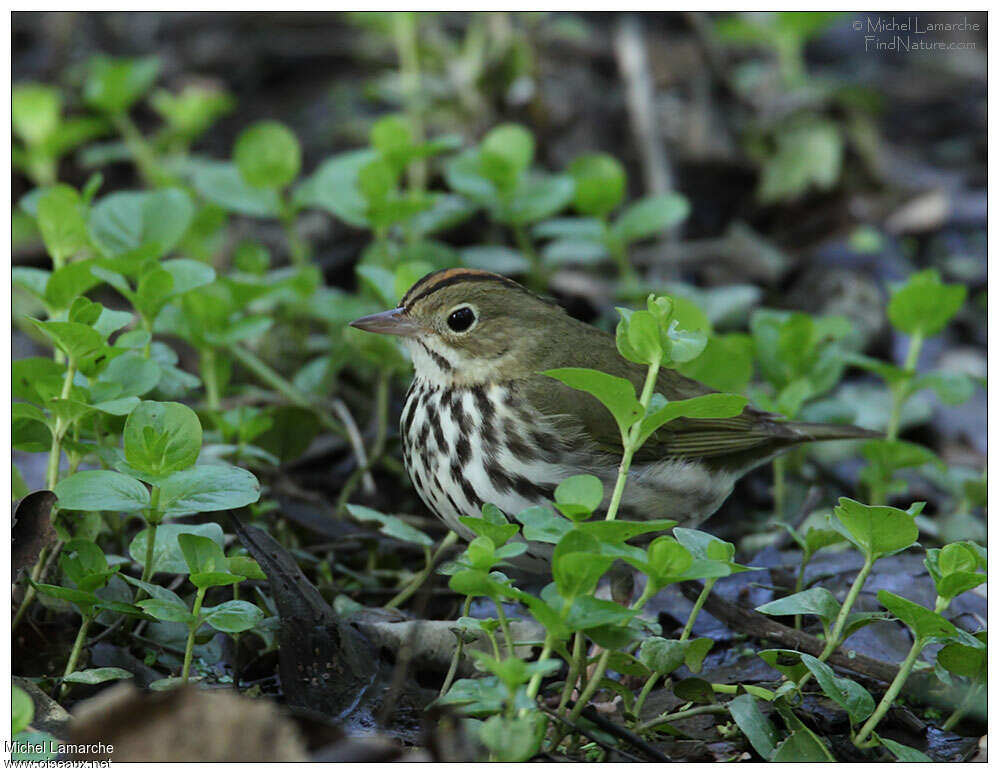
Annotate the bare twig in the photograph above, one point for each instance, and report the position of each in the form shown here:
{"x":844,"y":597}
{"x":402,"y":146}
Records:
{"x":354,"y":436}
{"x":632,"y":59}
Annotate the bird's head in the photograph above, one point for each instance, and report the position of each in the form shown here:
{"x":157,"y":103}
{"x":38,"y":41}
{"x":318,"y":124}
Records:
{"x":465,"y":326}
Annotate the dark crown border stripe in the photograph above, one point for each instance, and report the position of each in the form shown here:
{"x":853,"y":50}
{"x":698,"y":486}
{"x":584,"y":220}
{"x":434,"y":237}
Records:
{"x":449,"y":277}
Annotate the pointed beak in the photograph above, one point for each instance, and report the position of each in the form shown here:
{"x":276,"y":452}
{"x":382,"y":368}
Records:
{"x":394,"y":322}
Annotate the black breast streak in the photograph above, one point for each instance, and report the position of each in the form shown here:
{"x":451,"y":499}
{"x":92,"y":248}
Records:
{"x":442,"y":362}
{"x":487,"y":427}
{"x":517,"y":446}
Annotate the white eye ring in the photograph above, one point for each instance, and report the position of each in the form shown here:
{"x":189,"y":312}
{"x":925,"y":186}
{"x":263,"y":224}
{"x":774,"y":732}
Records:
{"x":458,"y":322}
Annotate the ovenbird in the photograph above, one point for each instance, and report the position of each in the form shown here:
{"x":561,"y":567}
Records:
{"x":481,"y":424}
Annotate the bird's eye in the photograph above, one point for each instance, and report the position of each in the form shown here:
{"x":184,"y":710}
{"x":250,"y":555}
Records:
{"x":461,"y":319}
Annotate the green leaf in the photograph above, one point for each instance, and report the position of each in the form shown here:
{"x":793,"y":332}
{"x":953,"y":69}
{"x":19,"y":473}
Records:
{"x":68,"y":282}
{"x":561,"y":252}
{"x":809,"y":154}
{"x":577,"y":574}
{"x":445,"y":212}
{"x":925,"y":624}
{"x":77,"y":340}
{"x":537,"y":196}
{"x":924,"y":305}
{"x":163,"y":610}
{"x":667,"y":560}
{"x":543,"y":526}
{"x":333,"y":187}
{"x":877,"y":530}
{"x":206,"y":488}
{"x":752,"y":722}
{"x":952,"y":387}
{"x":600,"y":182}
{"x":615,"y":393}
{"x":848,"y":694}
{"x":35,"y":111}
{"x":392,"y":526}
{"x":715,"y":405}
{"x":726,"y":364}
{"x":638,"y":336}
{"x":247,"y":567}
{"x":903,"y":752}
{"x":220,"y":182}
{"x":506,"y":152}
{"x":662,"y":655}
{"x":484,"y":695}
{"x":202,"y":554}
{"x":954,"y":568}
{"x":97,"y":676}
{"x":267,"y":155}
{"x":167,"y":554}
{"x":966,"y":661}
{"x":815,"y":601}
{"x":29,"y":429}
{"x":101,"y":490}
{"x":234,"y":616}
{"x":22,"y":709}
{"x":787,"y":662}
{"x":62,"y":221}
{"x":618,"y":531}
{"x":650,"y":216}
{"x":115,"y":84}
{"x":162,"y":437}
{"x":513,"y":739}
{"x":127,"y":375}
{"x":477,"y":583}
{"x":129,"y":220}
{"x":498,"y":533}
{"x":802,"y":746}
{"x":697,"y":649}
{"x":571,"y":229}
{"x":579,"y":496}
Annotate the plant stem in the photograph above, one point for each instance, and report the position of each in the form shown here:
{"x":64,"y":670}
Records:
{"x":538,"y":276}
{"x":152,"y":518}
{"x":141,"y":151}
{"x":51,"y":479}
{"x":780,"y":466}
{"x":646,"y":689}
{"x":799,"y":583}
{"x":717,"y":709}
{"x":631,"y":441}
{"x":273,"y":379}
{"x":546,"y":650}
{"x":504,"y":627}
{"x":591,"y":686}
{"x":456,"y":660}
{"x":836,"y":633}
{"x":893,"y":691}
{"x":406,"y":37}
{"x":574,"y":672}
{"x":189,"y":647}
{"x":74,"y":654}
{"x":752,"y":690}
{"x":900,"y":390}
{"x":969,"y":700}
{"x":689,"y":627}
{"x":601,"y":667}
{"x":620,"y":255}
{"x":297,"y":250}
{"x":209,"y":375}
{"x":381,"y":432}
{"x":417,"y":580}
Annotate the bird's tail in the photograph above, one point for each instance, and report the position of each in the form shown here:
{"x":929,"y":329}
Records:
{"x":814,"y":431}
